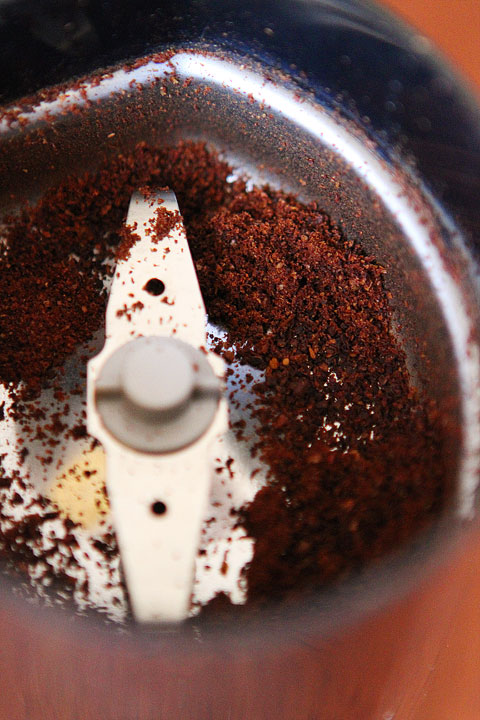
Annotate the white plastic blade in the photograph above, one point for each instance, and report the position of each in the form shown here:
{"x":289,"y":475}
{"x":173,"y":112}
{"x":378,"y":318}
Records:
{"x":158,"y":500}
{"x":179,"y":310}
{"x":158,"y":505}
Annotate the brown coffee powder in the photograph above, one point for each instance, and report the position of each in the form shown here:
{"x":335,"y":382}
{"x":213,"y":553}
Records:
{"x":355,"y":453}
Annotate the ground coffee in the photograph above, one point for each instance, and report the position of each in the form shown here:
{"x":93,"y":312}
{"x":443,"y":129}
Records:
{"x":354,"y":452}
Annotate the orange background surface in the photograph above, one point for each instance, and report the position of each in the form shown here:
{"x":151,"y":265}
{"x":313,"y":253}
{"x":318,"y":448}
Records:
{"x":452,"y":25}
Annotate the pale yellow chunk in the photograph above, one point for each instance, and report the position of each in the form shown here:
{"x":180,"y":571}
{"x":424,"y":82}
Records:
{"x":79,"y":489}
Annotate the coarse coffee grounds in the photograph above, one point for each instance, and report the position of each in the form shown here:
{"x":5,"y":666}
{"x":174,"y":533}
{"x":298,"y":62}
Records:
{"x":354,"y":451}
{"x":355,"y":454}
{"x":53,"y":255}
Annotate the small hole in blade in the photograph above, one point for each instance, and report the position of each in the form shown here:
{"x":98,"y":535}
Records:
{"x":159,"y":508}
{"x":155,"y":286}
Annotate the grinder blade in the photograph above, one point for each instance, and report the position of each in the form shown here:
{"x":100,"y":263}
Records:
{"x":155,"y":401}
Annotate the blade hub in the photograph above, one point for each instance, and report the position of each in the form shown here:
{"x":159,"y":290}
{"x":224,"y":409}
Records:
{"x":157,"y":375}
{"x":157,"y":394}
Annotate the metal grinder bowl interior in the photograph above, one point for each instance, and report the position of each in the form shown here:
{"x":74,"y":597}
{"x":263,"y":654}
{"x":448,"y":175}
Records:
{"x":296,"y":133}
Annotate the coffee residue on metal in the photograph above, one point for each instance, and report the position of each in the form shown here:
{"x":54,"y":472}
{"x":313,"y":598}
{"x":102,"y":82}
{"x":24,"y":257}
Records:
{"x":354,"y":451}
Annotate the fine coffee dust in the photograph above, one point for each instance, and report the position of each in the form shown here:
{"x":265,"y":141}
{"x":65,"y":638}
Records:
{"x":354,"y":451}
